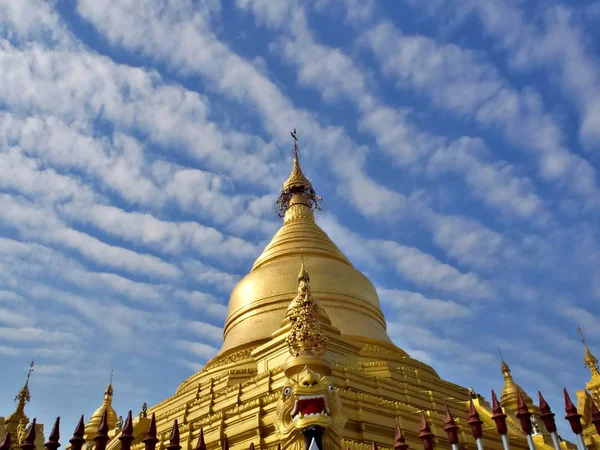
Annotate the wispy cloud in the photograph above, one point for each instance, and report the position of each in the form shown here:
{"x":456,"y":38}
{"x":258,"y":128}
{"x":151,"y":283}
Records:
{"x":142,"y":149}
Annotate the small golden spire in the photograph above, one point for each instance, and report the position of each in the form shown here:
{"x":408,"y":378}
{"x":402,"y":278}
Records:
{"x":504,"y":367}
{"x":589,"y":360}
{"x":306,"y":337}
{"x":297,"y":184}
{"x":303,"y":275}
{"x":109,"y":389}
{"x":23,"y":397}
{"x":297,"y":177}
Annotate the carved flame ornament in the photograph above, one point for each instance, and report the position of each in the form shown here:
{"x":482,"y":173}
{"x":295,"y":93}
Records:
{"x":306,"y":337}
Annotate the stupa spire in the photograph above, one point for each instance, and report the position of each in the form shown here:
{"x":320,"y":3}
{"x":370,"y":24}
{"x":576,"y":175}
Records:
{"x":23,"y":397}
{"x":504,"y":367}
{"x":105,"y":408}
{"x":297,"y":189}
{"x":589,"y":359}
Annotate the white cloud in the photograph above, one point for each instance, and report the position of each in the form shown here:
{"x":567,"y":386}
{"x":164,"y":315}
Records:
{"x":205,"y":330}
{"x":161,"y":36}
{"x":334,"y":74}
{"x":31,"y":334}
{"x":31,"y":20}
{"x":37,"y":223}
{"x":554,"y":41}
{"x":462,"y":81}
{"x":413,"y":306}
{"x":409,"y":262}
{"x":203,"y":351}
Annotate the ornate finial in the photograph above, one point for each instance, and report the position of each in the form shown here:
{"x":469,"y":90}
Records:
{"x":201,"y":445}
{"x":31,"y":369}
{"x":400,"y":441}
{"x":498,"y":415}
{"x":589,"y":360}
{"x":127,"y":437}
{"x":29,"y":441}
{"x":451,"y":428}
{"x":306,"y":336}
{"x":77,"y":440}
{"x":523,"y":413}
{"x":53,"y":440}
{"x":505,"y":368}
{"x":297,"y":183}
{"x":109,"y":389}
{"x":150,"y":440}
{"x":101,"y":437}
{"x":425,"y":433}
{"x":475,"y":421}
{"x":546,"y":414}
{"x":303,"y":275}
{"x":174,"y":438}
{"x":22,"y":398}
{"x":572,"y":416}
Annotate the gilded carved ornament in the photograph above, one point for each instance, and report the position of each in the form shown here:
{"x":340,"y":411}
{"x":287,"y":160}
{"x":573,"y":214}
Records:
{"x":308,"y":401}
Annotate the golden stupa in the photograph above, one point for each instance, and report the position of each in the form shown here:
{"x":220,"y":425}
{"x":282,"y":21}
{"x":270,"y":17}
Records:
{"x":585,"y":398}
{"x":111,"y":416}
{"x":305,"y":348}
{"x":16,"y":424}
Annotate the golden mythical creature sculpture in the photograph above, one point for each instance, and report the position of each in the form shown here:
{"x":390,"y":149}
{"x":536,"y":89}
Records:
{"x":309,"y":407}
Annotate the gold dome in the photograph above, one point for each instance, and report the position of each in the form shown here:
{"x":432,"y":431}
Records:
{"x":92,"y":426}
{"x":259,"y":301}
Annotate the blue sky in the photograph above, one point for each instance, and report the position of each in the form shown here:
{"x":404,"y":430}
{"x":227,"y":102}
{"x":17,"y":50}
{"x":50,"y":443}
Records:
{"x":142,"y":146}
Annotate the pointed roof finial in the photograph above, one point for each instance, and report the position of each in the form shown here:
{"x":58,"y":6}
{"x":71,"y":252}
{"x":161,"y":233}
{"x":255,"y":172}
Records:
{"x":101,"y":437}
{"x":174,"y":438}
{"x":546,"y":414}
{"x":150,"y":440}
{"x":201,"y":445}
{"x":31,"y":369}
{"x":589,"y":360}
{"x":297,"y":183}
{"x":29,"y":441}
{"x":498,"y":416}
{"x":505,"y":368}
{"x":572,"y":416}
{"x":127,"y":437}
{"x":109,"y":389}
{"x":425,"y":433}
{"x":450,"y":427}
{"x":400,"y":441}
{"x":303,"y":275}
{"x":53,"y":440}
{"x":475,"y":421}
{"x":297,"y":179}
{"x":523,"y":414}
{"x":24,"y":396}
{"x":78,"y":440}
